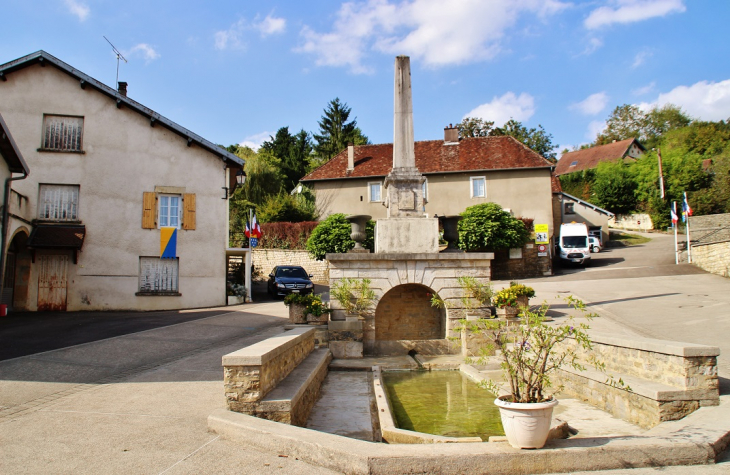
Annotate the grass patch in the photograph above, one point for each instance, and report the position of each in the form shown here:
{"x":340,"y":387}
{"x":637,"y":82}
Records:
{"x":629,"y":239}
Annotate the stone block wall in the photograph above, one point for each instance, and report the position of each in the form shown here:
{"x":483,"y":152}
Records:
{"x":529,"y":265}
{"x":710,"y":236}
{"x":714,"y":258}
{"x":266,"y":259}
{"x":632,"y":222}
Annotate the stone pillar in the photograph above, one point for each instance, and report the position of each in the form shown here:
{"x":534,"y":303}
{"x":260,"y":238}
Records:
{"x":403,"y":153}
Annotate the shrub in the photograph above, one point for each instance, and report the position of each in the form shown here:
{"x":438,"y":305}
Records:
{"x":488,"y":227}
{"x":286,"y":235}
{"x":333,"y":236}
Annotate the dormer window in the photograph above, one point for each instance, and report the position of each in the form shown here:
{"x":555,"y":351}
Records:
{"x":572,"y":164}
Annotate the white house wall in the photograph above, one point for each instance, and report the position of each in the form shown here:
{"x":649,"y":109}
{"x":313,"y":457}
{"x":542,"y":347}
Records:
{"x":124,"y":157}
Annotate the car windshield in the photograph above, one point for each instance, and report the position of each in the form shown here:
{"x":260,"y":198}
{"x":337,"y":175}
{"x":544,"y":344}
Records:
{"x":291,"y":272}
{"x":572,"y":242}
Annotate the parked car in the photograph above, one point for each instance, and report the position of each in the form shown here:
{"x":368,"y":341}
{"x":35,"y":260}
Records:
{"x":596,"y":233}
{"x":594,"y":244}
{"x":284,"y":280}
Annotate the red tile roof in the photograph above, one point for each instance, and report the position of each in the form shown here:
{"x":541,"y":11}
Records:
{"x":555,"y":183}
{"x":590,"y":157}
{"x":435,"y":156}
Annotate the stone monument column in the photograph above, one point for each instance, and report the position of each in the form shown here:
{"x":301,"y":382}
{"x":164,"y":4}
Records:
{"x":406,"y":229}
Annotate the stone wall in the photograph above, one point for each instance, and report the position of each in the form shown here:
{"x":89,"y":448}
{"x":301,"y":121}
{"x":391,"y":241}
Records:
{"x":710,"y":236}
{"x":634,"y":222}
{"x":529,"y":264}
{"x":266,"y":259}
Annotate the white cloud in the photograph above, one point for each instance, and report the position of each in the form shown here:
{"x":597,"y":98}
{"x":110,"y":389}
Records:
{"x":703,"y":100}
{"x":461,"y":32}
{"x":508,"y":106}
{"x":147,"y":52}
{"x":233,"y":37}
{"x":644,"y":89}
{"x":592,"y":104}
{"x":595,"y":128}
{"x":630,"y":11}
{"x":640,"y":58}
{"x":592,"y":46}
{"x":77,"y":8}
{"x":255,"y":141}
{"x":270,"y":25}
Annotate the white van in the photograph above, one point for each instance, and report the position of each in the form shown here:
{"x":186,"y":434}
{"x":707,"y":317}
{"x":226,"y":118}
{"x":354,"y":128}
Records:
{"x":573,"y":243}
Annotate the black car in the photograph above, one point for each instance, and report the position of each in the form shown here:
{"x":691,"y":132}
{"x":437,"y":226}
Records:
{"x":285,"y":280}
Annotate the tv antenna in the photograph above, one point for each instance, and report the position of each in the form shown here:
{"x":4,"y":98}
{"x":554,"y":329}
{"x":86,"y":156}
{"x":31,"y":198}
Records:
{"x":119,"y":56}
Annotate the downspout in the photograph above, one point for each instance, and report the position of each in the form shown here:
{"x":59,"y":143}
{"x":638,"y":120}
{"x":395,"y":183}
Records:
{"x":6,"y":216}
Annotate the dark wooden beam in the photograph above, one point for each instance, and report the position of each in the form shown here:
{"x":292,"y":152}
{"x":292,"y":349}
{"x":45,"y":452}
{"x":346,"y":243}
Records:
{"x":119,"y":103}
{"x":2,"y":77}
{"x":152,"y":121}
{"x":190,"y":142}
{"x":82,"y":83}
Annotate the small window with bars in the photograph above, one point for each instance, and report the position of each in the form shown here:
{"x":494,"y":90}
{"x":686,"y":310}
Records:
{"x":62,"y":133}
{"x":158,"y":276}
{"x":58,"y":203}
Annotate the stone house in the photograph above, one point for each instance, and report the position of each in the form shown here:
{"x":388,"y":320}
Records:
{"x":629,"y":149}
{"x":459,"y":173}
{"x":114,"y":185}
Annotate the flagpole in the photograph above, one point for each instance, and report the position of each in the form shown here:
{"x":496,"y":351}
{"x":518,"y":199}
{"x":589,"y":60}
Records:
{"x":674,"y":225}
{"x":688,"y":212}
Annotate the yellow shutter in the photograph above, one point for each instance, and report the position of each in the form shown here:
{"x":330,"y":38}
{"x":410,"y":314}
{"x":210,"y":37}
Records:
{"x":188,"y":211}
{"x":148,"y":210}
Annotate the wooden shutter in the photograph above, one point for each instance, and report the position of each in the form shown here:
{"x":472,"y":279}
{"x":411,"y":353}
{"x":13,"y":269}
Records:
{"x":188,"y":221}
{"x":148,"y":210}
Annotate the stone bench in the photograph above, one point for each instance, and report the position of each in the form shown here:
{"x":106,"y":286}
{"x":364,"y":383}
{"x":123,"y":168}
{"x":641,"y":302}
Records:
{"x":278,"y":378}
{"x":667,"y":380}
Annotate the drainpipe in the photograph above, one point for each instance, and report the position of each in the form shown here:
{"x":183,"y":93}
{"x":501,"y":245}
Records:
{"x":6,"y":216}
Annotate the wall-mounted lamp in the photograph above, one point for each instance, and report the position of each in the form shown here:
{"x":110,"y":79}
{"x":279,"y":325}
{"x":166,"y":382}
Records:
{"x":240,"y":180}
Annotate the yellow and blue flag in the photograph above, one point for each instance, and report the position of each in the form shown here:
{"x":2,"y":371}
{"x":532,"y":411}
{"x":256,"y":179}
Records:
{"x":168,"y":243}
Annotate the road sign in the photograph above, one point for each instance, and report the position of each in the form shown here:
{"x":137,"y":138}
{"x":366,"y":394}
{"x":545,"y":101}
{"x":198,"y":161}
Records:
{"x":541,"y":234}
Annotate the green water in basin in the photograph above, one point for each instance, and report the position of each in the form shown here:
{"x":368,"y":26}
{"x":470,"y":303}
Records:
{"x":442,"y":403}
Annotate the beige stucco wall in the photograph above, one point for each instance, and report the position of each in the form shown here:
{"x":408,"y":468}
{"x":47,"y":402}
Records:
{"x":527,"y":193}
{"x":585,"y":214}
{"x":123,"y":158}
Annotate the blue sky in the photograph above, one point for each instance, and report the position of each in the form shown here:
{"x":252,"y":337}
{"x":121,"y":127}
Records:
{"x":235,"y":71}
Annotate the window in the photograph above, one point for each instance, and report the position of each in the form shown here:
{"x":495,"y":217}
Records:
{"x":375,"y":189}
{"x":425,"y":191}
{"x":62,"y":133}
{"x":158,"y":276}
{"x":170,"y":211}
{"x":569,"y":208}
{"x":58,"y":202}
{"x":572,"y":164}
{"x":478,"y":187}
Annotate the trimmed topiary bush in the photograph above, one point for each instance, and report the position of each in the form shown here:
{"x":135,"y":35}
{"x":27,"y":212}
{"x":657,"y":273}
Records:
{"x":333,"y":236}
{"x":487,"y":227}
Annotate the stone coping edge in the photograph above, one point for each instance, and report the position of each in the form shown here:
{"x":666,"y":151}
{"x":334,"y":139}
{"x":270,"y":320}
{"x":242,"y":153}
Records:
{"x":266,"y":350}
{"x":394,"y":435}
{"x":424,"y":256}
{"x":694,"y":440}
{"x":658,"y":346}
{"x":288,"y":393}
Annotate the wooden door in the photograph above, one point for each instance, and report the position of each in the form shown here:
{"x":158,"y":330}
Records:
{"x":52,"y":283}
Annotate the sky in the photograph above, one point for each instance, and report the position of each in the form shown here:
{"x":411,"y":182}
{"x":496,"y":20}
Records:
{"x":237,"y":71}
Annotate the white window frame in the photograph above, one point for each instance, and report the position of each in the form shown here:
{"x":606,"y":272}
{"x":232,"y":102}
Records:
{"x":63,"y":133}
{"x":380,"y":191}
{"x":159,"y":276}
{"x":471,"y":186}
{"x":163,"y":219}
{"x":58,"y":202}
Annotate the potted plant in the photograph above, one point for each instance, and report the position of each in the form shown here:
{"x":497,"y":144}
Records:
{"x":355,"y":296}
{"x":510,"y":300}
{"x":297,"y":304}
{"x":236,"y":294}
{"x":475,"y":296}
{"x":316,"y":311}
{"x":530,"y":353}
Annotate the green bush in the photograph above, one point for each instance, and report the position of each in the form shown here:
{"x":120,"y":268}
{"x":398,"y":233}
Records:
{"x":284,"y":207}
{"x":487,"y":227}
{"x":286,"y":235}
{"x":333,"y":236}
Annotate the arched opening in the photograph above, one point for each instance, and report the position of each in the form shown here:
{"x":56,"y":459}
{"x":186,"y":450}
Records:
{"x":17,"y":272}
{"x":405,"y":313}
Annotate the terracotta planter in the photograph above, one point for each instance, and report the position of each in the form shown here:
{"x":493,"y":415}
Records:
{"x":523,"y":301}
{"x":317,"y":320}
{"x":296,"y":313}
{"x":507,"y":312}
{"x":526,"y":425}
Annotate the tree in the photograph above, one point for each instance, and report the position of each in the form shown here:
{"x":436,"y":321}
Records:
{"x":536,"y":139}
{"x":614,"y":187}
{"x":474,"y":127}
{"x":335,"y":131}
{"x":488,"y":227}
{"x":262,"y":178}
{"x":293,"y":152}
{"x":629,"y":122}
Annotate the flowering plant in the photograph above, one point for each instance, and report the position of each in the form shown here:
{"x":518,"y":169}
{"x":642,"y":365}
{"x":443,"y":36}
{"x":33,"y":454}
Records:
{"x":507,"y":297}
{"x":236,"y":290}
{"x":317,"y":307}
{"x":531,"y":351}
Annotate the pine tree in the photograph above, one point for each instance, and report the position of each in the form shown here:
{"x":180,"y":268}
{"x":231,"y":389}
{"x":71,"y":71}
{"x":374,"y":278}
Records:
{"x":335,"y":131}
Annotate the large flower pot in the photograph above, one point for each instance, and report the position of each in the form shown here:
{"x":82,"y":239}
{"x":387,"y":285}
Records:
{"x":526,"y":425}
{"x":507,"y":312}
{"x":523,"y":301}
{"x":296,"y":313}
{"x":318,"y":320}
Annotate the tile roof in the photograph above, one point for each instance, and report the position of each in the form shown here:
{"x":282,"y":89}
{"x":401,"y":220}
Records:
{"x":590,"y":157}
{"x":555,"y":183}
{"x":435,"y":156}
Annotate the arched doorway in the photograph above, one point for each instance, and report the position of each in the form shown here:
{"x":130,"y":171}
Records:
{"x":17,"y":272}
{"x":405,"y":321}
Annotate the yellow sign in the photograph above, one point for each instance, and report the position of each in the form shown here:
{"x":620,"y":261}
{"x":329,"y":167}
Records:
{"x":541,"y":234}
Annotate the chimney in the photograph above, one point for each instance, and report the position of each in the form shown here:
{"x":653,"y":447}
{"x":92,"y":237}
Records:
{"x":350,"y":157}
{"x":123,"y":88}
{"x":451,"y":134}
